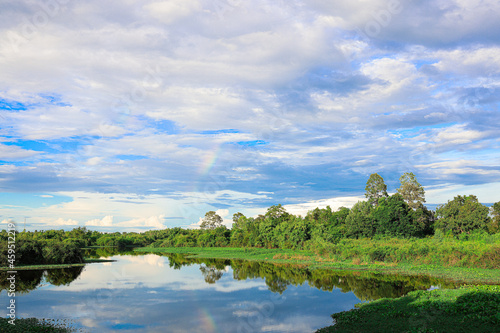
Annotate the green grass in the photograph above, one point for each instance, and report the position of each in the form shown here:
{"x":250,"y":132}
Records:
{"x":481,"y":252}
{"x":25,"y":325}
{"x":314,"y":261}
{"x":226,"y":252}
{"x":468,"y":309}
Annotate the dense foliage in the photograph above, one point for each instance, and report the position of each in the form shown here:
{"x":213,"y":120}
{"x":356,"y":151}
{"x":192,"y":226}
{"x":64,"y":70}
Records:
{"x":279,"y":278}
{"x":463,"y":214}
{"x":30,"y":251}
{"x":401,"y":216}
{"x":468,"y":309}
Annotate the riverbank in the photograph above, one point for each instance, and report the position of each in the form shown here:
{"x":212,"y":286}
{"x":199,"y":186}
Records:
{"x":468,"y":309}
{"x":313,"y":261}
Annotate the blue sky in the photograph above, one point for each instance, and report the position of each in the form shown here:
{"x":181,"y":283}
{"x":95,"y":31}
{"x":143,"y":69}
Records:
{"x":132,"y":115}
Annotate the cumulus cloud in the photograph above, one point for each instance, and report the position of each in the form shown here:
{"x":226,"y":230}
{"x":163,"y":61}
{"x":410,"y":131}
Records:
{"x":106,"y":221}
{"x":334,"y":203}
{"x":200,"y":105}
{"x":150,"y":222}
{"x":63,"y":222}
{"x":171,"y":11}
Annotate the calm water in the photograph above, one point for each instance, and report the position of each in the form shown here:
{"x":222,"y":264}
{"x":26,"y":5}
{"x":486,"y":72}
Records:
{"x":152,"y":293}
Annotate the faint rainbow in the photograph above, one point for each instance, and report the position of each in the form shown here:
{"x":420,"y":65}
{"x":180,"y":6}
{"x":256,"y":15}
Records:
{"x":207,"y":321}
{"x":209,"y":161}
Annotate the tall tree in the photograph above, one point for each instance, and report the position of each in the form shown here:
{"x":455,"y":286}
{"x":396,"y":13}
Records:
{"x":276,"y":212}
{"x":375,"y":189}
{"x":211,"y":220}
{"x":412,"y":192}
{"x":236,"y":218}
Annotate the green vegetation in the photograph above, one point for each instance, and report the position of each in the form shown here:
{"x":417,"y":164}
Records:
{"x":468,"y":309}
{"x":24,"y":325}
{"x":39,"y":252}
{"x":463,"y":215}
{"x":28,"y":280}
{"x":375,"y":189}
{"x":211,"y":221}
{"x":461,"y":233}
{"x":411,"y":190}
{"x":351,"y":261}
{"x":365,"y":285}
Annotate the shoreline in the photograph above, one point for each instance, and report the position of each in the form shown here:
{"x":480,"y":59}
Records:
{"x":312,"y":261}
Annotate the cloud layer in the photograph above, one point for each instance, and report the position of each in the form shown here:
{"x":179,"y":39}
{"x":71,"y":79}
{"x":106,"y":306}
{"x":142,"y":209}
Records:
{"x":225,"y":100}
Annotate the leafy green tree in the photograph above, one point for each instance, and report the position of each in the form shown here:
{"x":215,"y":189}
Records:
{"x":359,"y":222}
{"x":494,"y":225}
{"x":236,"y":218}
{"x":411,"y":190}
{"x":240,"y":231}
{"x":211,"y":220}
{"x":184,"y":240}
{"x":394,"y":217}
{"x":424,"y":218}
{"x":375,"y":189}
{"x":29,"y":252}
{"x":293,"y":233}
{"x":463,"y":214}
{"x":326,"y":224}
{"x":276,"y":212}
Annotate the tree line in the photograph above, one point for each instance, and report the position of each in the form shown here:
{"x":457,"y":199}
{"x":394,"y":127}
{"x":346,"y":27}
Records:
{"x":401,"y":215}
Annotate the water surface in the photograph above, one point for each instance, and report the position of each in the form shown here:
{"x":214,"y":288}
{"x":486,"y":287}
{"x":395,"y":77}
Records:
{"x":171,"y":293}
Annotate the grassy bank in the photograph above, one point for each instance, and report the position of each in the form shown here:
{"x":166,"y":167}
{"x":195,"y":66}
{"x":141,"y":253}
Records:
{"x":468,"y":309}
{"x":315,"y":261}
{"x":480,"y":252}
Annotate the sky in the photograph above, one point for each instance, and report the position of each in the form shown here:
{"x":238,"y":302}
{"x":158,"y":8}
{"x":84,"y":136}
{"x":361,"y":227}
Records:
{"x":127,"y":115}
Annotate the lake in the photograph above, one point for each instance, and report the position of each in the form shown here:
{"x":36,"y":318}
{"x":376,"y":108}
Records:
{"x":171,"y":293}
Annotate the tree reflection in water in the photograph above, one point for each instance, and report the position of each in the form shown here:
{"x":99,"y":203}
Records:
{"x":28,"y":280}
{"x":211,"y":274}
{"x":367,"y":286}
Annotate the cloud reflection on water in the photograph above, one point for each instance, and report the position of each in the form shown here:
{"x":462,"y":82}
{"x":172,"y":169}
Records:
{"x":152,"y":293}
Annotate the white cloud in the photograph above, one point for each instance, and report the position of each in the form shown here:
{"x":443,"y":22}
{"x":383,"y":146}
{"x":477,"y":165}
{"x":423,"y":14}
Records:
{"x":15,"y":153}
{"x":151,"y":222}
{"x":334,"y":203}
{"x":460,"y":167}
{"x":458,"y":135}
{"x":325,"y":99}
{"x":106,"y":221}
{"x":171,"y":11}
{"x":486,"y":193}
{"x":62,"y":222}
{"x":477,"y":61}
{"x":131,"y":211}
